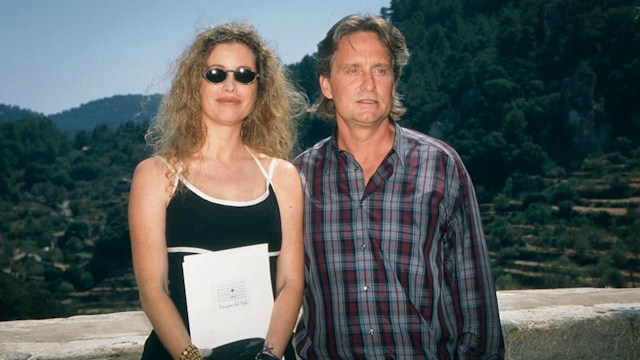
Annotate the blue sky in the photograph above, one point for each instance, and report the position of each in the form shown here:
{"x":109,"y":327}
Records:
{"x":59,"y":54}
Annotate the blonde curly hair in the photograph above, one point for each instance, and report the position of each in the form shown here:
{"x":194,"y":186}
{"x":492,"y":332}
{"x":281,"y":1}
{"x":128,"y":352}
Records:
{"x":178,"y":131}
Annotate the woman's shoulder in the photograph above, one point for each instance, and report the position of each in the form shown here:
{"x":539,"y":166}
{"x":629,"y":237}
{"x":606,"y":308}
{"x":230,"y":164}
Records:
{"x":153,"y":176}
{"x":280,"y":165}
{"x":152,"y":165}
{"x":285,"y":174}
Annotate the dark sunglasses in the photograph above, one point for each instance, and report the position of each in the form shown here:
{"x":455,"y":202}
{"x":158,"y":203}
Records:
{"x":243,"y":75}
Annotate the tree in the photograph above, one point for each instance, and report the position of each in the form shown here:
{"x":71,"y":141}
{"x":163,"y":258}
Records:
{"x":112,"y":254}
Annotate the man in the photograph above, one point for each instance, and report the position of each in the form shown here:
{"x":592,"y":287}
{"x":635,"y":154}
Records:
{"x":395,"y":259}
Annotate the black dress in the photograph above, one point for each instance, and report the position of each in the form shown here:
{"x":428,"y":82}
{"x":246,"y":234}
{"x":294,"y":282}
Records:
{"x":196,"y":220}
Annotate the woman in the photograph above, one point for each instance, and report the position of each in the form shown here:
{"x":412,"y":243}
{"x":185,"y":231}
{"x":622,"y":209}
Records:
{"x":217,"y":181}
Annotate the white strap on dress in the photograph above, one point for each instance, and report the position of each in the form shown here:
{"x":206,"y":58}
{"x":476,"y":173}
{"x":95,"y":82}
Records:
{"x":177,"y":172}
{"x":196,"y":250}
{"x":272,"y":166}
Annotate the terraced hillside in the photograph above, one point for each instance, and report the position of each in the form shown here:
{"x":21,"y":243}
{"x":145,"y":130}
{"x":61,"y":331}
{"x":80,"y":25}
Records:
{"x":578,"y":229}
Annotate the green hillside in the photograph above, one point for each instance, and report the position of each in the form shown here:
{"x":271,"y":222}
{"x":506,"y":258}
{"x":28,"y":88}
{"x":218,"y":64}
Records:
{"x":112,"y":111}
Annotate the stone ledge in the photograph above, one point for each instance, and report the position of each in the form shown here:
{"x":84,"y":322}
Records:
{"x":568,"y":325}
{"x":581,"y":323}
{"x":107,"y":336}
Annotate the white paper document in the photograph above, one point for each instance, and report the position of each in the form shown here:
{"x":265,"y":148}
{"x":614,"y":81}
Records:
{"x":229,"y":295}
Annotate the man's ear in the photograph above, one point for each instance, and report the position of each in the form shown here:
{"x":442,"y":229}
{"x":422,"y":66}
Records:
{"x":325,"y":86}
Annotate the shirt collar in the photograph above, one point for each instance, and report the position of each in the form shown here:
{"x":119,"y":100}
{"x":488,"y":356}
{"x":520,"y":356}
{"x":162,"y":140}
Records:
{"x":400,"y":145}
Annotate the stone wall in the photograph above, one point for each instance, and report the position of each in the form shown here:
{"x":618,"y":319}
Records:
{"x":567,"y":324}
{"x":570,"y":324}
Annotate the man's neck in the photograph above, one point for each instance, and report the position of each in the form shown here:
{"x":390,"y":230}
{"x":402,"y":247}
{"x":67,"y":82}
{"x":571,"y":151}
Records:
{"x":368,"y":145}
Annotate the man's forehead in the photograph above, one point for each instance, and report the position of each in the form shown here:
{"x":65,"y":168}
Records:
{"x":355,"y":38}
{"x":361,"y":42}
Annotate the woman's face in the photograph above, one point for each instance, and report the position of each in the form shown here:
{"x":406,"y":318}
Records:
{"x":229,"y":101}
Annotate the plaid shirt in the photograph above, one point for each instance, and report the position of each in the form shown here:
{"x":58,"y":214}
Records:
{"x":396,"y":268}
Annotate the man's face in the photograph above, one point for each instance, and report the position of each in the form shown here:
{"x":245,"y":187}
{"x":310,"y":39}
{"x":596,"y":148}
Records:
{"x":361,"y":80}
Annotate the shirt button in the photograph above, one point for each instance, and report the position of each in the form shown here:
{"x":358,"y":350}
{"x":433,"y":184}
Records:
{"x":362,"y":204}
{"x":356,"y":168}
{"x":364,"y":246}
{"x":371,"y":331}
{"x":365,"y":288}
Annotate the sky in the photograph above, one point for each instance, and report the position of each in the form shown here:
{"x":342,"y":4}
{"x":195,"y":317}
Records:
{"x":56,"y":55}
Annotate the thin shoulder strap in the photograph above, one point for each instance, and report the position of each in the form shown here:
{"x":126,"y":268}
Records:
{"x":272,"y":166}
{"x":177,"y":173}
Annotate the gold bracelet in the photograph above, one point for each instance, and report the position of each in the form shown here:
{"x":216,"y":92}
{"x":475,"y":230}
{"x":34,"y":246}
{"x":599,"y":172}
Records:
{"x":191,"y":353}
